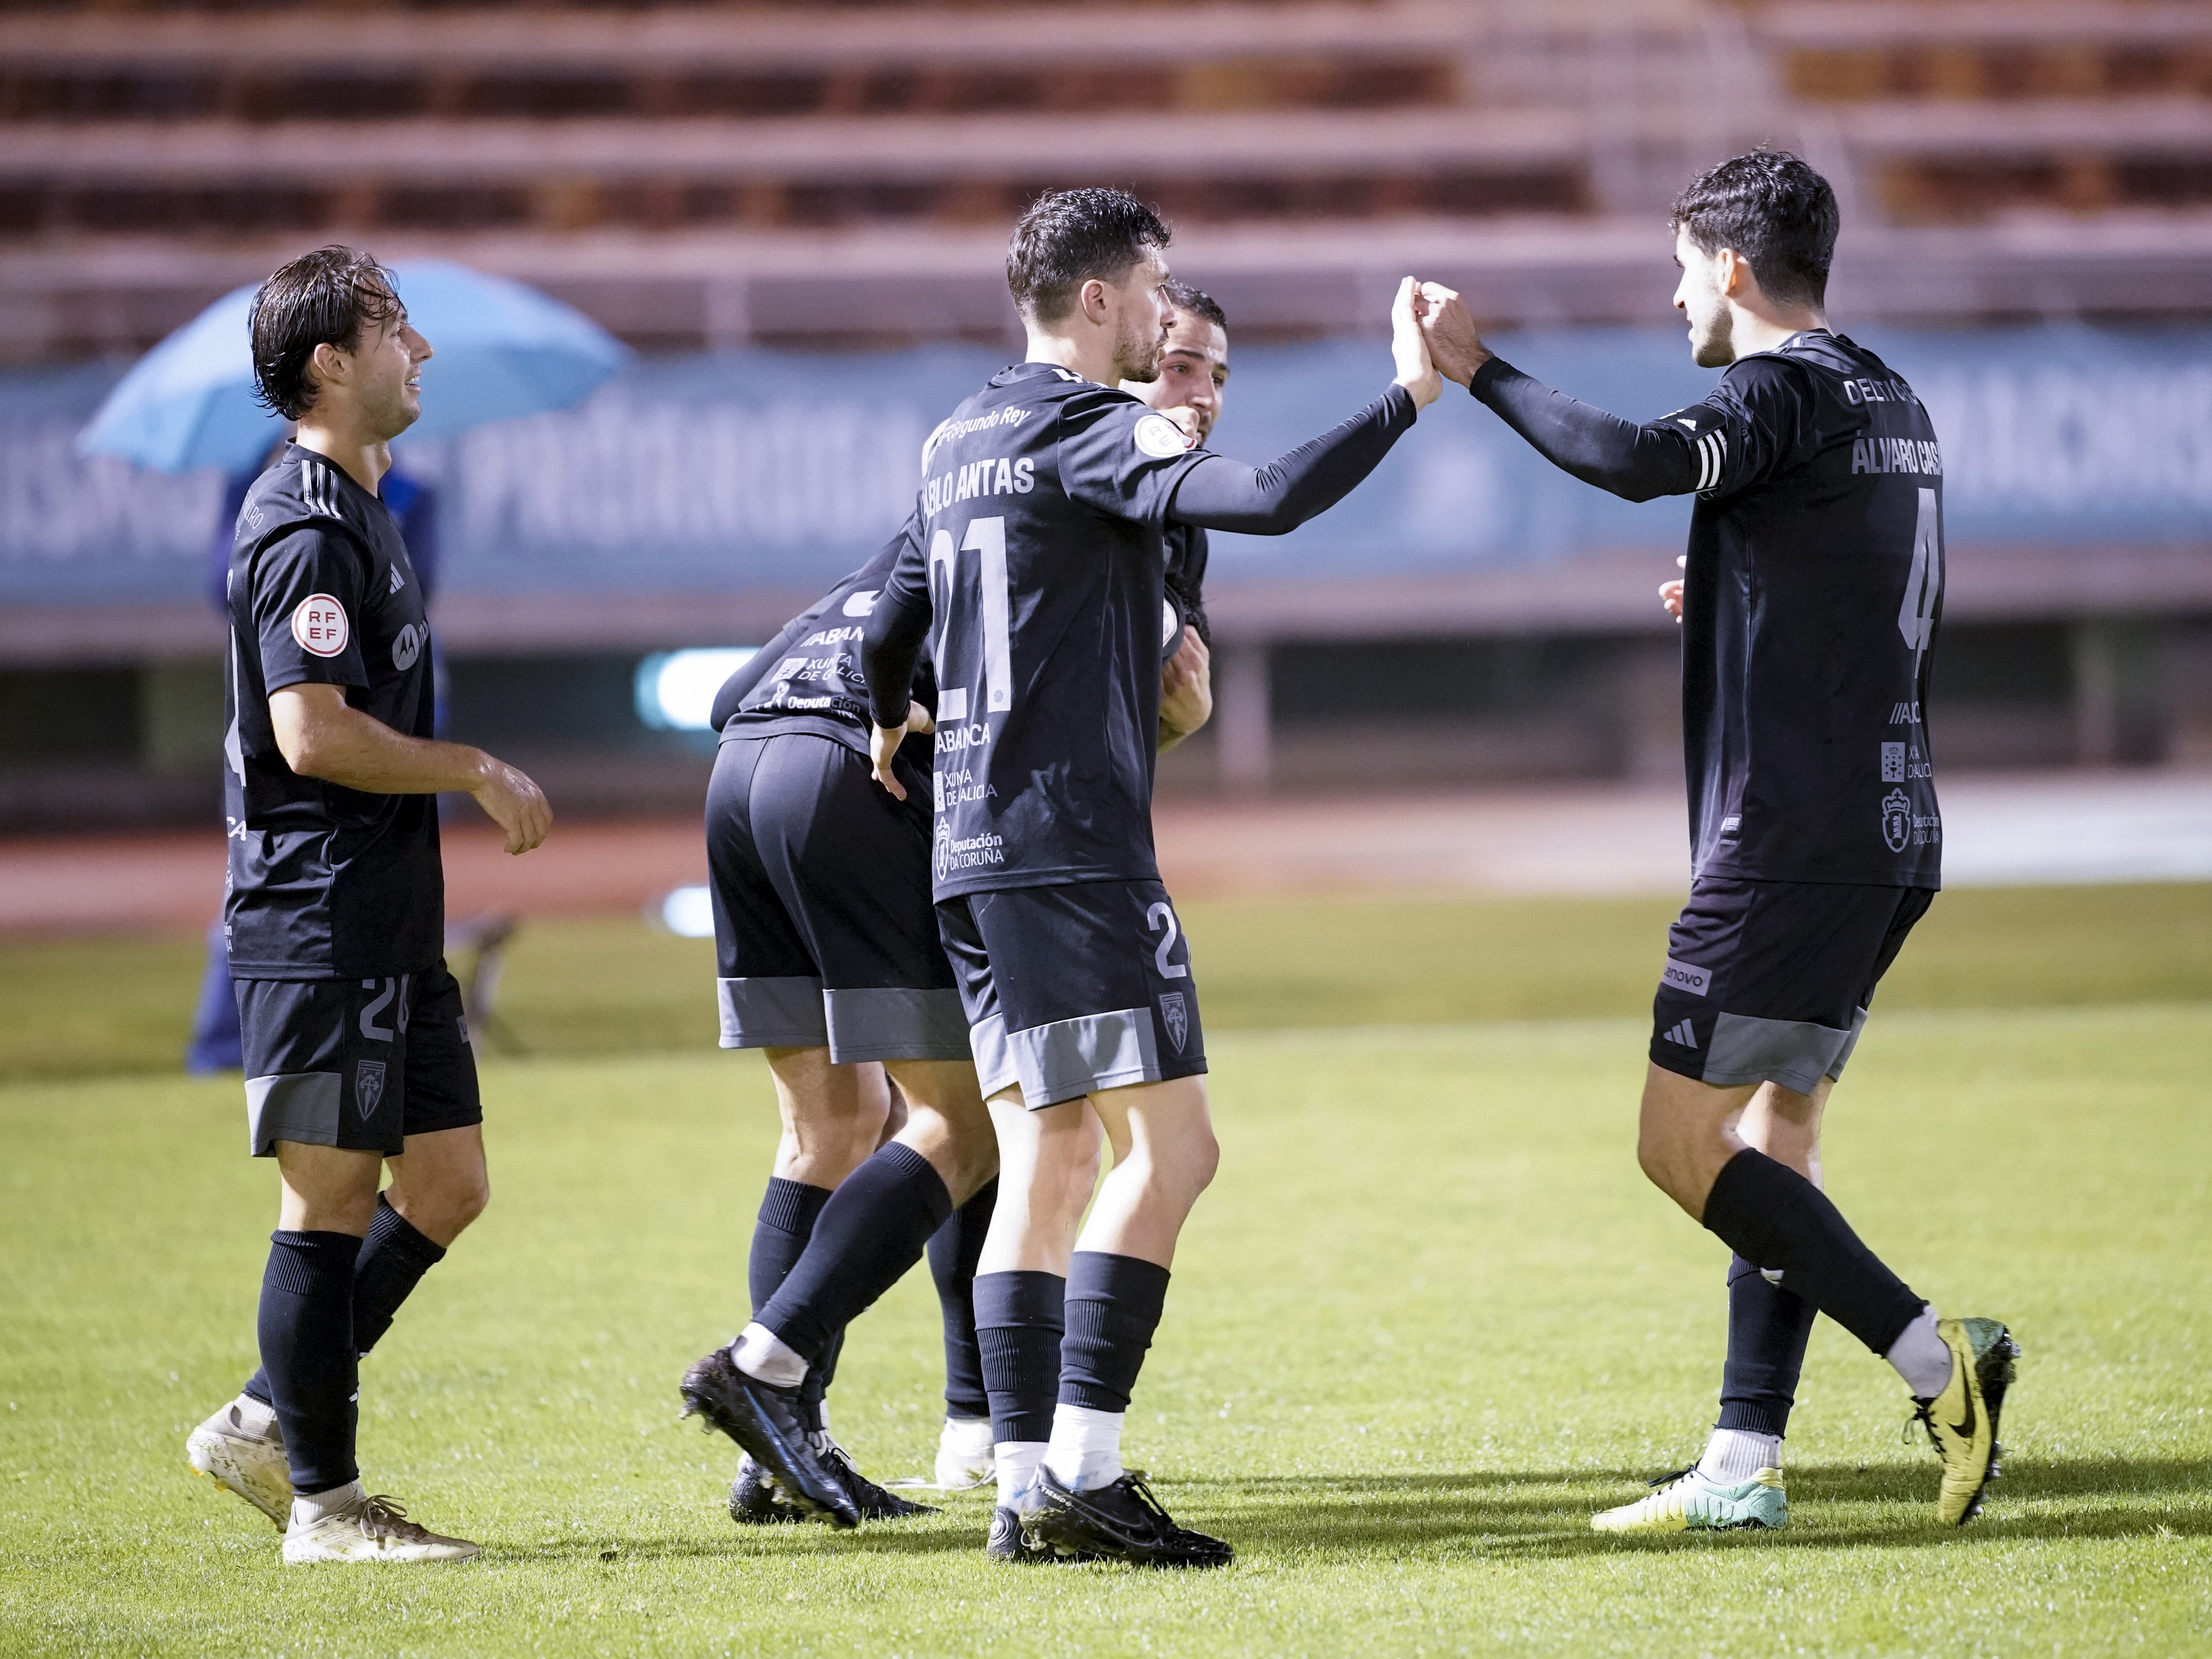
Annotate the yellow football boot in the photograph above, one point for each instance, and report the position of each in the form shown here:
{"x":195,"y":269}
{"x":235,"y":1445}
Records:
{"x":1962,"y":1420}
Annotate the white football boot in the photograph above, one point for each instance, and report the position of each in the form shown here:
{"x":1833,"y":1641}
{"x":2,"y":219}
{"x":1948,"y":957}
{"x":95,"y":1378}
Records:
{"x":370,"y":1529}
{"x":241,"y":1449}
{"x":1688,"y":1500}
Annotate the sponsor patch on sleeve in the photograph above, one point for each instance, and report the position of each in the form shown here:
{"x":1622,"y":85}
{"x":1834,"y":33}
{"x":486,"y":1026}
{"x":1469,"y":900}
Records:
{"x":1156,"y":435}
{"x":320,"y":625}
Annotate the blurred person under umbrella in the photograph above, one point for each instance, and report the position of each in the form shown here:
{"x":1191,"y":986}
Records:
{"x":504,"y":351}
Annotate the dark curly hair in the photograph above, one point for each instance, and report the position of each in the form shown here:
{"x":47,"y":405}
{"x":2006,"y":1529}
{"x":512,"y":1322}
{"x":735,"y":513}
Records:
{"x":1774,"y":210}
{"x":1197,"y":301}
{"x":324,"y":297}
{"x":1069,"y":236}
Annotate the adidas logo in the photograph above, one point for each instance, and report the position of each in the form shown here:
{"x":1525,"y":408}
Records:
{"x":1683,"y":1035}
{"x":398,"y":581}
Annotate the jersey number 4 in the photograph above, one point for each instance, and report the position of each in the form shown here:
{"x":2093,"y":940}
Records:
{"x":986,"y":537}
{"x":1923,"y":584}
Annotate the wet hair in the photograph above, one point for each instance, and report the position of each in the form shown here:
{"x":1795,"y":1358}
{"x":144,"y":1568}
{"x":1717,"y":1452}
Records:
{"x":1197,"y":301}
{"x":1068,"y":237}
{"x":326,"y":297}
{"x":1775,"y":211}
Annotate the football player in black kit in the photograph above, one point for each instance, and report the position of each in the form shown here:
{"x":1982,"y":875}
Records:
{"x":1037,"y":579}
{"x":1191,"y":383}
{"x":1809,"y":602}
{"x":829,"y":960}
{"x":831,"y":963}
{"x":356,"y":1055}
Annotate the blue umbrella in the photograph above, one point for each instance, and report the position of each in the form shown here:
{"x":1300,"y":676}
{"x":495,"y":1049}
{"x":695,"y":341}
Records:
{"x":503,"y":351}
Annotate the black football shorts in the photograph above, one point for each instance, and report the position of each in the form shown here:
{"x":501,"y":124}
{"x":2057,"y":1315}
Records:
{"x":1771,"y":980}
{"x":1074,"y":990}
{"x":358,"y":1063}
{"x":824,"y":933}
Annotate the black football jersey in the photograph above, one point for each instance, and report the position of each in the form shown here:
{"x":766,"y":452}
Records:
{"x":1039,"y":539}
{"x":1186,"y":552}
{"x":1814,"y":589}
{"x":325,"y":882}
{"x":809,"y":677}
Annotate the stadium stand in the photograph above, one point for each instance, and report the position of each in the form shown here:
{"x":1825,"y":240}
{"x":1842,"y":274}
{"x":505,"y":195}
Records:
{"x":726,"y":175}
{"x":711,"y":175}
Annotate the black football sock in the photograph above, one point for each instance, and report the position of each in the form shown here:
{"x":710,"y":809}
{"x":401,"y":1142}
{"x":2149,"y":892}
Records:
{"x":814,"y":1391}
{"x":1019,"y":1320}
{"x":954,"y":1250}
{"x":306,"y":1330}
{"x":874,"y":1227}
{"x":394,"y":1258}
{"x":1114,"y":1304}
{"x":787,"y":1213}
{"x":1767,"y":1212}
{"x":1768,"y":1329}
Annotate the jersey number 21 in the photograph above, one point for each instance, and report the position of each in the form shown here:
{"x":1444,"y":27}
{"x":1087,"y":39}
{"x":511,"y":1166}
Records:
{"x":987,"y":538}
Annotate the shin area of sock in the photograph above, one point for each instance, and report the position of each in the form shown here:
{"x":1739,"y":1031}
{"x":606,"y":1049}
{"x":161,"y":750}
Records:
{"x":1768,"y":1329}
{"x":1019,"y":1320}
{"x":787,"y":1213}
{"x":305,"y":1326}
{"x":954,"y":1250}
{"x":392,"y":1261}
{"x":1114,"y":1305}
{"x":874,"y":1227}
{"x":1767,"y":1212}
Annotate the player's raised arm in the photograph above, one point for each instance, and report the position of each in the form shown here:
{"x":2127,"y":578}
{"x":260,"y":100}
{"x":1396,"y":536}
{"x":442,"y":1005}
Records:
{"x":1220,"y":494}
{"x":1638,"y":463}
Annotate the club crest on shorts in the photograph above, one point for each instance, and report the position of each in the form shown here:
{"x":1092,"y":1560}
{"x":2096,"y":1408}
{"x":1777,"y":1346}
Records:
{"x":1896,"y":820}
{"x":369,"y":1087}
{"x":1176,"y":1017}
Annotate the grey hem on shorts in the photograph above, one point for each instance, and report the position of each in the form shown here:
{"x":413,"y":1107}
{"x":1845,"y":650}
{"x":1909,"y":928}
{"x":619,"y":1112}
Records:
{"x":772,"y":1013}
{"x":1066,"y":1059}
{"x":301,"y":1106}
{"x":1794,"y":1053}
{"x":895,"y":1025}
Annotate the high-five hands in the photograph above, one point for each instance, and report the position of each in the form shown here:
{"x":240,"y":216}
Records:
{"x":1410,"y":349}
{"x":884,"y":742}
{"x":1455,"y":344}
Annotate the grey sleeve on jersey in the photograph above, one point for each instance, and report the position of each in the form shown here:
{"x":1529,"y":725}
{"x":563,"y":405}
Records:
{"x":1637,"y":463}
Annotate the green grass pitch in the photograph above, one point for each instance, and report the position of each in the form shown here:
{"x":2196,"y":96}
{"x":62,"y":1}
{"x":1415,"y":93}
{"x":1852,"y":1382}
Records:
{"x":1428,"y":1319}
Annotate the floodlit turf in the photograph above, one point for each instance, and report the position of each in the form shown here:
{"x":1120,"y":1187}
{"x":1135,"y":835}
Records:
{"x":82,"y":1007}
{"x":1428,"y":1319}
